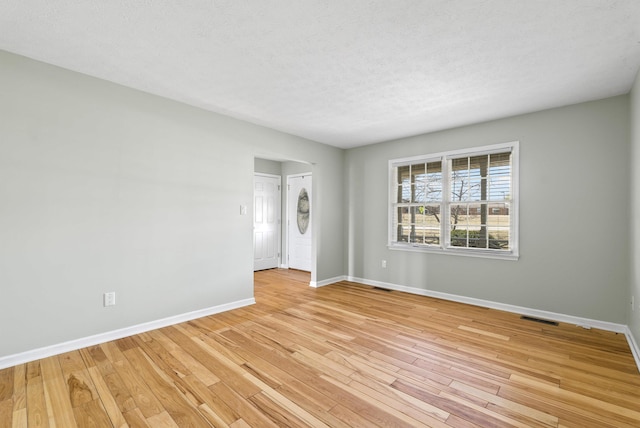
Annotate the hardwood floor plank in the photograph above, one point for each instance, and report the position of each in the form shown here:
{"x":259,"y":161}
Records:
{"x":250,"y":413}
{"x":514,"y":408}
{"x":162,"y":420}
{"x":206,"y":397}
{"x":57,"y":392}
{"x":108,"y":400}
{"x":37,"y":415}
{"x":372,"y":409}
{"x":175,"y":404}
{"x":6,"y":413}
{"x":280,"y":415}
{"x":135,"y":419}
{"x":7,"y":377}
{"x":91,"y":414}
{"x":194,"y":366}
{"x":144,"y":399}
{"x":344,"y":355}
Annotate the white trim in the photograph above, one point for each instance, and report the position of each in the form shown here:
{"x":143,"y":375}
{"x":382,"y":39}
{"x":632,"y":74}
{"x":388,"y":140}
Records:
{"x":635,"y":349}
{"x":318,"y":284}
{"x":569,"y":319}
{"x":466,"y":252}
{"x":72,"y":345}
{"x":264,"y":174}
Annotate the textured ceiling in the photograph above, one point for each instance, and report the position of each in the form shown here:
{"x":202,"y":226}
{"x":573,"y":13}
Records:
{"x":342,"y":72}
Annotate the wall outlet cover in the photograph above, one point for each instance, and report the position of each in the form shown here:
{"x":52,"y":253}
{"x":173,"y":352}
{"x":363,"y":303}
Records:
{"x":109,"y":298}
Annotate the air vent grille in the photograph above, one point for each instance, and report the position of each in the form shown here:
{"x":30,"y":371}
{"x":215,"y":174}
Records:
{"x":541,"y":321}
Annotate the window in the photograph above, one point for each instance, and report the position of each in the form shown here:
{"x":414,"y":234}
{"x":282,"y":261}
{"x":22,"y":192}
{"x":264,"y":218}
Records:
{"x":461,"y":202}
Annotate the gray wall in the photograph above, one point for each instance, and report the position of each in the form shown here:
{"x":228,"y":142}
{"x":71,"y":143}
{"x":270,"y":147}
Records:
{"x":266,"y":166}
{"x":574,"y":212}
{"x":104,"y":188}
{"x":634,"y":315}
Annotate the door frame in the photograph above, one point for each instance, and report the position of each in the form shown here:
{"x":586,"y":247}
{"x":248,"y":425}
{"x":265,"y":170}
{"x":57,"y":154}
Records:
{"x":279,"y":208}
{"x":288,"y":219}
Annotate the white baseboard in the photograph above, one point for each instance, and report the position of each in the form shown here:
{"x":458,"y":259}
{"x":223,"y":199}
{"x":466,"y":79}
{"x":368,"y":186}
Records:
{"x":635,"y":349}
{"x":329,"y":281}
{"x":72,"y":345}
{"x":553,"y":316}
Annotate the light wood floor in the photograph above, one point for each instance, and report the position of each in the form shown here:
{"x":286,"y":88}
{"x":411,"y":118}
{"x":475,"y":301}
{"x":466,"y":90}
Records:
{"x":341,"y":355}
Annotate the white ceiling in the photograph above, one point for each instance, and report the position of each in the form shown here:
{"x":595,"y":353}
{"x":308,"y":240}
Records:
{"x":342,"y":72}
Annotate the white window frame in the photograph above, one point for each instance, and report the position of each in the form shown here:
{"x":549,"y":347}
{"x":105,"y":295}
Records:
{"x":445,"y":247}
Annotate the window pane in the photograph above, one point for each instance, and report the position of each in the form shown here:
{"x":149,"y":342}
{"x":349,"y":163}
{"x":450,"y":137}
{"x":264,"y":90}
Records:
{"x":459,"y":236}
{"x":432,"y":215}
{"x":432,"y":236}
{"x":498,"y":160}
{"x":460,"y":164}
{"x":402,"y":223}
{"x":413,"y":221}
{"x":478,"y":238}
{"x":478,"y":166}
{"x":477,"y":189}
{"x":500,"y":177}
{"x":460,"y":214}
{"x":429,"y":183}
{"x":404,"y":183}
{"x":499,"y":238}
{"x":498,"y":215}
{"x":460,"y":189}
{"x":469,"y":237}
{"x":499,"y":188}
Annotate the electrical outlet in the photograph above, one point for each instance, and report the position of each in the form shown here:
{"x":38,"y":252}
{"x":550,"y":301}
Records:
{"x":383,"y":264}
{"x":109,"y":298}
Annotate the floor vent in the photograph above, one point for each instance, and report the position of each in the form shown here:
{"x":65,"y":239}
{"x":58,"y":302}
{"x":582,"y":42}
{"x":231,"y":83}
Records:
{"x":524,"y":317}
{"x":382,"y":289}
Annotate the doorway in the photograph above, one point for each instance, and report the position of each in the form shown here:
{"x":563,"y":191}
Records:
{"x":266,"y":221}
{"x":299,"y":221}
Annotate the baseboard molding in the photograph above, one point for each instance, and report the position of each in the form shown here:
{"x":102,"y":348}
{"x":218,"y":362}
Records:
{"x":635,"y":349}
{"x":72,"y":345}
{"x":329,"y":281}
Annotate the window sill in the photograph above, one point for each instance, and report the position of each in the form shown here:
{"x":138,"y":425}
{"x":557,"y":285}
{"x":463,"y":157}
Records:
{"x":485,"y":254}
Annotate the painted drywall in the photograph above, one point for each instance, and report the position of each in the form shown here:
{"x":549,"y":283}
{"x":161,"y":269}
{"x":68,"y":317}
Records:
{"x":574,"y":212}
{"x":634,"y":291}
{"x":266,"y":166}
{"x":103,"y":188}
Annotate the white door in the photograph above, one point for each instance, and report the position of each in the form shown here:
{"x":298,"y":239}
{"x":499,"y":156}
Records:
{"x":299,"y":218}
{"x":266,"y":221}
